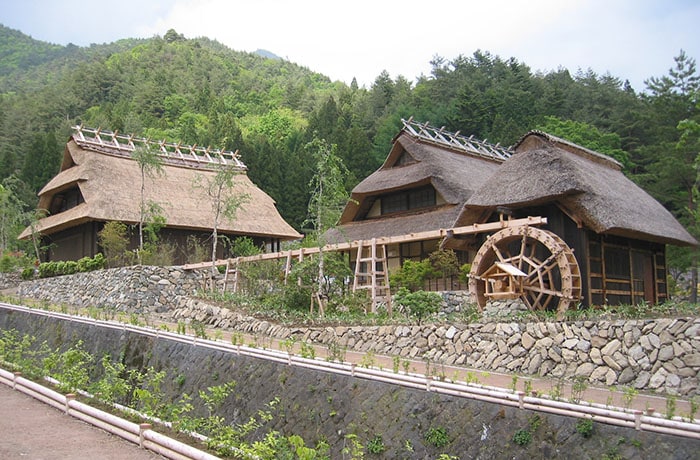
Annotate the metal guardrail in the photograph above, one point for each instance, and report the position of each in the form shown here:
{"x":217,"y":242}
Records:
{"x":636,"y":419}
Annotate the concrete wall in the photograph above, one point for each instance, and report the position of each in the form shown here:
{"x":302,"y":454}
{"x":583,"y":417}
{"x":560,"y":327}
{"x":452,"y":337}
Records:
{"x":319,"y":405}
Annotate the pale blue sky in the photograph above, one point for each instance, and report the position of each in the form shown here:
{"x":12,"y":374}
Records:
{"x":630,"y":39}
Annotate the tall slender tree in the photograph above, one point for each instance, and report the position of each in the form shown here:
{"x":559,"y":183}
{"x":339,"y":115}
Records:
{"x":151,"y":166}
{"x":225,"y":201}
{"x":328,"y":197}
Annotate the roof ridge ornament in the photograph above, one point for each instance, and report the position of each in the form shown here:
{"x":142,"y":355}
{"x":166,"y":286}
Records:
{"x":457,"y":141}
{"x":174,"y":153}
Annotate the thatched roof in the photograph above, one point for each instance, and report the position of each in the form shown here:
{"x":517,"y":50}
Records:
{"x":443,"y":217}
{"x":454,"y":174}
{"x":109,"y":181}
{"x":588,"y":185}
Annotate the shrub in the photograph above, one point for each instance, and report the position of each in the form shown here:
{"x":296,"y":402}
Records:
{"x":114,"y":240}
{"x":437,"y":437}
{"x":522,"y":437}
{"x":412,"y":275}
{"x":376,"y":445}
{"x":585,"y":427}
{"x":444,"y":262}
{"x":419,"y":304}
{"x":68,"y":267}
{"x":7,"y":264}
{"x":28,"y":273}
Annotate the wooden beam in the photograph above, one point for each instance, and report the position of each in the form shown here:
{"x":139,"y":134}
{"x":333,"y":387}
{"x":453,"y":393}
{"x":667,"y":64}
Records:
{"x":419,"y":236}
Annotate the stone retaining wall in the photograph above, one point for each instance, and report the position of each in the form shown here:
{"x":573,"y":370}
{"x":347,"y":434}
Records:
{"x":139,"y":289}
{"x":661,"y":355}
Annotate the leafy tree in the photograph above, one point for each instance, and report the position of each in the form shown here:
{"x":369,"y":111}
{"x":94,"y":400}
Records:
{"x":666,"y":165}
{"x":11,"y":218}
{"x":328,"y":197}
{"x":114,"y":242}
{"x":151,"y":165}
{"x":224,"y":199}
{"x":587,"y":136}
{"x":41,"y":161}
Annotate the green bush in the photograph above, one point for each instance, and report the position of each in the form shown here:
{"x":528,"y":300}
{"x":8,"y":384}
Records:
{"x":7,"y":264}
{"x":444,"y":263}
{"x":412,"y":275}
{"x":28,"y":273}
{"x":585,"y":427}
{"x":419,"y":304}
{"x":69,"y":267}
{"x":522,"y":437}
{"x":437,"y":437}
{"x":376,"y":445}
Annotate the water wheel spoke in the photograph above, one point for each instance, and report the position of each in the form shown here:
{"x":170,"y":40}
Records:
{"x":549,"y":265}
{"x":498,"y":253}
{"x":523,"y":246}
{"x":543,"y":290}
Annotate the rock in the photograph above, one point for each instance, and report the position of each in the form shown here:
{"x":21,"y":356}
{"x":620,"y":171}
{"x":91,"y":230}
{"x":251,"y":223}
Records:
{"x":672,"y":381}
{"x":583,"y":345}
{"x":585,"y":369}
{"x":658,"y":379}
{"x":527,"y":341}
{"x":596,"y":356}
{"x":611,"y":363}
{"x":535,"y":364}
{"x":666,"y":353}
{"x":692,"y":360}
{"x":627,"y":375}
{"x":451,"y":332}
{"x":611,"y":347}
{"x":598,"y":374}
{"x":642,"y":380}
{"x":636,"y":352}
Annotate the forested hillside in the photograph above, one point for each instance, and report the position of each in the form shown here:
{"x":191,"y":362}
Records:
{"x":198,"y":91}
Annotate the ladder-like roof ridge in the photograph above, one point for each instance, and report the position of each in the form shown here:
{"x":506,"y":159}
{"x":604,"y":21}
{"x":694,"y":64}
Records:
{"x":190,"y":156}
{"x":456,"y":141}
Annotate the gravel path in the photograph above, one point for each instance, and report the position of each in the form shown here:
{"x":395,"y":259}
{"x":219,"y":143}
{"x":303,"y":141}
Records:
{"x":32,"y":430}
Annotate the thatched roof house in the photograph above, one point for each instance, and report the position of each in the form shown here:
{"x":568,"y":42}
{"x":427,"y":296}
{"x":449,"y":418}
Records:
{"x":100,"y":182}
{"x":617,"y":231}
{"x":588,"y":186}
{"x":423,"y":185}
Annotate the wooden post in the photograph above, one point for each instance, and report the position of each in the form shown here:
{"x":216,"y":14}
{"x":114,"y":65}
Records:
{"x":143,"y":427}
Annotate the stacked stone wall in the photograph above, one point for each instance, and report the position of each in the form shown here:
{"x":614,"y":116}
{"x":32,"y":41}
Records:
{"x":139,"y":289}
{"x":661,"y":355}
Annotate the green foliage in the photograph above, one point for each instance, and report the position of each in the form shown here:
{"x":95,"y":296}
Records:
{"x":114,"y":241}
{"x":587,"y":136}
{"x":72,"y":368}
{"x":437,"y":436}
{"x":28,"y":273}
{"x":522,"y":437}
{"x":444,"y":262}
{"x":628,"y":395}
{"x":244,"y":246}
{"x":420,"y":304}
{"x":69,"y":267}
{"x":411,"y":275}
{"x":376,"y":445}
{"x":584,"y":427}
{"x":670,"y":406}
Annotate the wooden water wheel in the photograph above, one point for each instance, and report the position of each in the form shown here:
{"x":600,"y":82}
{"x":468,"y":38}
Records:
{"x":529,"y":263}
